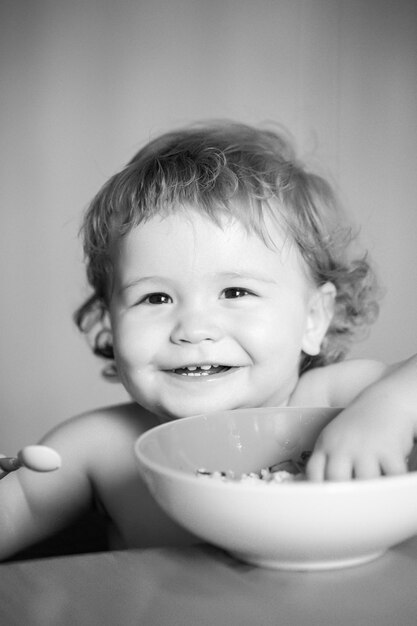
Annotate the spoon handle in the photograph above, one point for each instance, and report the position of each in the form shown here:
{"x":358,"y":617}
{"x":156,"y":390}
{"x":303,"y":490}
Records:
{"x":10,"y":463}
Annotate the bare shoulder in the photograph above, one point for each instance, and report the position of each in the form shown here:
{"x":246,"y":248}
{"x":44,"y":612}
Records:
{"x":111,"y":420}
{"x":337,"y":384}
{"x":97,"y":450}
{"x":101,"y":433}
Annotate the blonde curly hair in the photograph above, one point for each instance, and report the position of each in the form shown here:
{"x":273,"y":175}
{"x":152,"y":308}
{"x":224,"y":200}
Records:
{"x":244,"y":172}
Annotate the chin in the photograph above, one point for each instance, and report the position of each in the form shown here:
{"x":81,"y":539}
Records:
{"x":191,"y":409}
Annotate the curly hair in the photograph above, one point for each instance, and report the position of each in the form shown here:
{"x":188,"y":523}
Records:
{"x":246,"y":173}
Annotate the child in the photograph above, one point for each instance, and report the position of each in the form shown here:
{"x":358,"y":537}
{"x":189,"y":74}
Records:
{"x":223,"y":276}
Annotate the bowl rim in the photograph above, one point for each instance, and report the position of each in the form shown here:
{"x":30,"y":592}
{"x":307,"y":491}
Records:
{"x":381,"y":482}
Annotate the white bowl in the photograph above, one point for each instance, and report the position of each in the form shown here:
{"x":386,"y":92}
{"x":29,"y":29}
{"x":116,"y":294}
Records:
{"x":295,"y":525}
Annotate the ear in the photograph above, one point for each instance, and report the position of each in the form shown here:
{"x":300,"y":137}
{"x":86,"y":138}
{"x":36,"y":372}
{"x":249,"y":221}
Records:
{"x":320,"y":313}
{"x":110,"y":373}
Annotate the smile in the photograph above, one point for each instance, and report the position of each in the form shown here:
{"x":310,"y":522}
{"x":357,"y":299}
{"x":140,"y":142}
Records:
{"x":201,"y":370}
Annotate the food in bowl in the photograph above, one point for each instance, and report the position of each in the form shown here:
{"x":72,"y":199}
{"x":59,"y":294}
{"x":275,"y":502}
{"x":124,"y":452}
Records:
{"x":282,"y":472}
{"x":298,"y":525}
{"x":265,"y":475}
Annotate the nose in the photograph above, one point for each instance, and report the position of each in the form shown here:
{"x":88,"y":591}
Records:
{"x":195,"y":326}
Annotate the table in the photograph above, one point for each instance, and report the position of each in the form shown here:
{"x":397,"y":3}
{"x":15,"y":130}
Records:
{"x":202,"y":586}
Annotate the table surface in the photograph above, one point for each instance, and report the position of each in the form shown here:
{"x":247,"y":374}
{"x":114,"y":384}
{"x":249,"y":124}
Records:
{"x":203,"y":586}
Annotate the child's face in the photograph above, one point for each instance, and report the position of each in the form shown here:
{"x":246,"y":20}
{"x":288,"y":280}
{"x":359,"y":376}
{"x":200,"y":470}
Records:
{"x":207,"y":318}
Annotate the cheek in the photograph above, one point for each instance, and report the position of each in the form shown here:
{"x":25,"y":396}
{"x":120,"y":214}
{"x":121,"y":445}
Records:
{"x":276,"y":328}
{"x":134,"y":352}
{"x":133,"y":343}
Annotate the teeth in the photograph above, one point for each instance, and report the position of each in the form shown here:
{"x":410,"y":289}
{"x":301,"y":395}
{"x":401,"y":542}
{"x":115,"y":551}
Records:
{"x":193,"y":368}
{"x":197,"y":370}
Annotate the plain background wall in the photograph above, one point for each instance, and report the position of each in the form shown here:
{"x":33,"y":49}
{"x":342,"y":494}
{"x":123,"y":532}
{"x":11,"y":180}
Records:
{"x":86,"y":82}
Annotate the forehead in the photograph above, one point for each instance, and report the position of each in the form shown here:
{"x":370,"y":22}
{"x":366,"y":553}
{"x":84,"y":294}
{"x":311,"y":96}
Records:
{"x":190,"y":243}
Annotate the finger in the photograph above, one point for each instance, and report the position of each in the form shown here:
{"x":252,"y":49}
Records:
{"x":394,"y":466}
{"x":2,"y":473}
{"x":367,"y":468}
{"x":8,"y":464}
{"x":338,"y":468}
{"x":412,"y":460}
{"x":315,"y":467}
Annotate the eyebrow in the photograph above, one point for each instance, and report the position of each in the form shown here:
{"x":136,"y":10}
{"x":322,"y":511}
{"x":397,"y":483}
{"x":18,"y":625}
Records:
{"x":222,"y":275}
{"x":247,"y":275}
{"x":142,"y":279}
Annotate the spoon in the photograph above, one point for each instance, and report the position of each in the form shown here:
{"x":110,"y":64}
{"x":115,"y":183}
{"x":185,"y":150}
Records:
{"x":36,"y":458}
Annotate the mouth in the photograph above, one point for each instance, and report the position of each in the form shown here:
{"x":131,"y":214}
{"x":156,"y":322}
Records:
{"x":197,"y":371}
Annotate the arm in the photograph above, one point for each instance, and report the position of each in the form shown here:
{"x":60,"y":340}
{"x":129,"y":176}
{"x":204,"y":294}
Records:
{"x":34,"y":505}
{"x":97,"y":462}
{"x":376,"y":431}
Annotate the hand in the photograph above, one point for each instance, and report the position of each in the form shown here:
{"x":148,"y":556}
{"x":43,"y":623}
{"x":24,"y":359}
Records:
{"x":364,"y":441}
{"x":8,"y":464}
{"x":37,"y":458}
{"x":3,"y":472}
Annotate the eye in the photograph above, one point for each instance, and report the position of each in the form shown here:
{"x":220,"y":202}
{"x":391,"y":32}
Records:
{"x":236,"y":292}
{"x":157,"y":298}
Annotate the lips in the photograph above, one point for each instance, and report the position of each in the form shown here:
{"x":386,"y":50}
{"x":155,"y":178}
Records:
{"x":201,"y":370}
